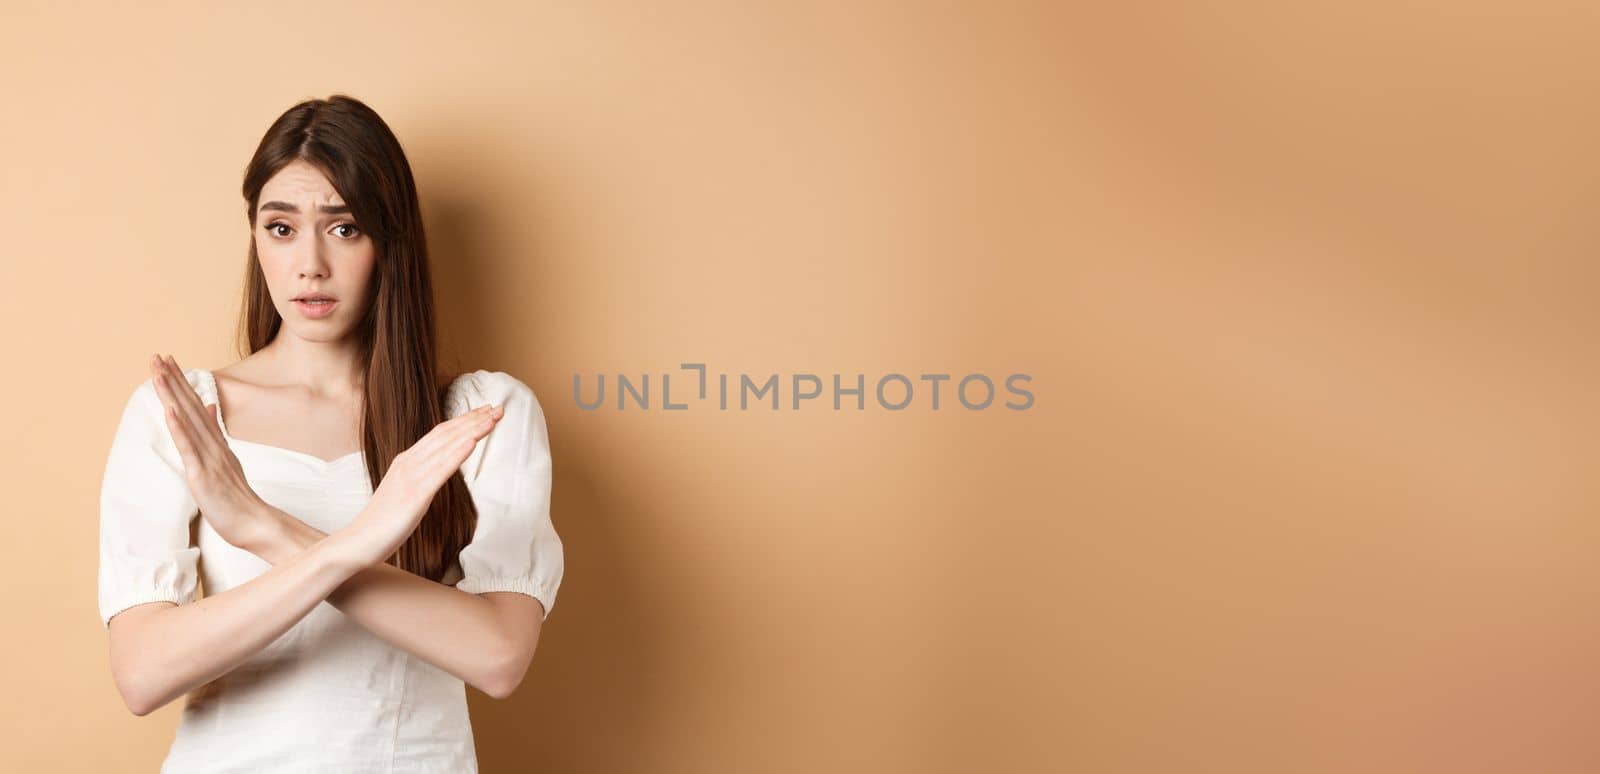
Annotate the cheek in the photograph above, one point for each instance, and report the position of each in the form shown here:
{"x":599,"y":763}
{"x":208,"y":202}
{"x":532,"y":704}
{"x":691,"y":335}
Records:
{"x":275,"y":265}
{"x":362,"y":263}
{"x":272,"y":255}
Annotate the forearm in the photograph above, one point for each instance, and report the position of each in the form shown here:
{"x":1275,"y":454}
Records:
{"x":175,"y":649}
{"x":456,"y":631}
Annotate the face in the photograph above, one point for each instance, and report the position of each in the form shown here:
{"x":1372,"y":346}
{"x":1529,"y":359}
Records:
{"x":309,"y":244}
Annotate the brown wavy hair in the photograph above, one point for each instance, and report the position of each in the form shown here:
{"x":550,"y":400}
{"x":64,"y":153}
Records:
{"x":404,"y":389}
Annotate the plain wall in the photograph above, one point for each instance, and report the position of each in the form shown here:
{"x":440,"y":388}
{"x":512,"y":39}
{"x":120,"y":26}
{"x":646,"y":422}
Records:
{"x":1305,"y":293}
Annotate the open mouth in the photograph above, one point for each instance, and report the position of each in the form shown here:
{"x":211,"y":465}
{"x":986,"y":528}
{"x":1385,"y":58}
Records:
{"x":315,"y":307}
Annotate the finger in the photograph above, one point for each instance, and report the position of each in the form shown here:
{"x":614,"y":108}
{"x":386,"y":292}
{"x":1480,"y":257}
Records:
{"x":205,"y":414}
{"x":448,"y":460}
{"x":159,"y":378}
{"x":473,"y":426}
{"x":180,"y":439}
{"x":487,"y":411}
{"x":166,"y":387}
{"x":199,"y":430}
{"x":490,"y":419}
{"x":166,"y":382}
{"x":444,"y":433}
{"x":466,"y":439}
{"x":480,"y":418}
{"x":469,"y":417}
{"x":441,"y":452}
{"x":183,"y":392}
{"x":456,"y":443}
{"x":188,"y":399}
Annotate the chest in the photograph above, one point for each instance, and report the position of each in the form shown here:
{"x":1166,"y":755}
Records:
{"x":289,"y":419}
{"x":324,"y":494}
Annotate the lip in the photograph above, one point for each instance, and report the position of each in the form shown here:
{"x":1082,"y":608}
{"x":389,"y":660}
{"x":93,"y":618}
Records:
{"x":315,"y":311}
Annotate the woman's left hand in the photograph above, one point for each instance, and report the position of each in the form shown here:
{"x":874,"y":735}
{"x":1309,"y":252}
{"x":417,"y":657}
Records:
{"x":216,"y":479}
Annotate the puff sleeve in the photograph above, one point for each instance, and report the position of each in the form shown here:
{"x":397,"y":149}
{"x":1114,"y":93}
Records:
{"x":514,"y":546}
{"x":145,"y":511}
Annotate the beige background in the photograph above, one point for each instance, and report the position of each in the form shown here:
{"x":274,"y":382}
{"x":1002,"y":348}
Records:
{"x":1307,"y":296}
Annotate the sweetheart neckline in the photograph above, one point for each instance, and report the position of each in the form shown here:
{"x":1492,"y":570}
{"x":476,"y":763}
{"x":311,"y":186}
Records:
{"x":223,"y":424}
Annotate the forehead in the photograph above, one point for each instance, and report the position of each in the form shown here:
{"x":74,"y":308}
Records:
{"x":300,"y":183}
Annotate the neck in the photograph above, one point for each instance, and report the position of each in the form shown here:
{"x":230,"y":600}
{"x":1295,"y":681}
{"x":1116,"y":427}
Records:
{"x":324,"y":367}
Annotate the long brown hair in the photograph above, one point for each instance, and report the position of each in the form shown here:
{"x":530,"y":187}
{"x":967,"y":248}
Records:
{"x":404,"y":389}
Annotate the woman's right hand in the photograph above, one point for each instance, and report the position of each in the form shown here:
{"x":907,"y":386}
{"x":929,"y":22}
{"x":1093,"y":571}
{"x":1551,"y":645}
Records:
{"x":414,"y":477}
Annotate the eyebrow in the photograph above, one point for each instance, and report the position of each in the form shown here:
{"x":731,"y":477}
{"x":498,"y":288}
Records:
{"x":330,"y":209}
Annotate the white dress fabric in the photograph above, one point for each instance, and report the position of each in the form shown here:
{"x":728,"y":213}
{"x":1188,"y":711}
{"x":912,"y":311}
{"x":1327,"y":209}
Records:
{"x":327,"y":695}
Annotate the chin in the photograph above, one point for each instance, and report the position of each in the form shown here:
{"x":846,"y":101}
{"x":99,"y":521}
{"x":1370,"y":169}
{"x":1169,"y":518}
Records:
{"x":314,"y":330}
{"x":324,"y":336}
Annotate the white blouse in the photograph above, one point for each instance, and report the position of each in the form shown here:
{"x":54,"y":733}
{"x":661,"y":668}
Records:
{"x":327,"y":695}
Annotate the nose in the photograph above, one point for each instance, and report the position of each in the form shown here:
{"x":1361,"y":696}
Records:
{"x":310,"y":261}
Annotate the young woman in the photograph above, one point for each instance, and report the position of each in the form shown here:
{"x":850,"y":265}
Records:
{"x":373,"y":536}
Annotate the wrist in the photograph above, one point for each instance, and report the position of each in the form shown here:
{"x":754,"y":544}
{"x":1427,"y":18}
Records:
{"x":344,"y":550}
{"x":369,"y":537}
{"x":277,"y":536}
{"x":264,"y":532}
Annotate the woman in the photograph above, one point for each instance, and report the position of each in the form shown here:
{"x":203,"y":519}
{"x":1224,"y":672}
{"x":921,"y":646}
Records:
{"x":349,"y":595}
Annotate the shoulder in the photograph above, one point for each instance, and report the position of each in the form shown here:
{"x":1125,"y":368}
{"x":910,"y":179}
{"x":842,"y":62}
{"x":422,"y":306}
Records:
{"x":143,"y":426}
{"x":485,"y":387}
{"x":145,"y":401}
{"x":519,"y":442}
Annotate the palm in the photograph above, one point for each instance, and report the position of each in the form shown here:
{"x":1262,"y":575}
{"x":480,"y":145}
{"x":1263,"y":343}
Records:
{"x":414,"y":477}
{"x":216,"y":479}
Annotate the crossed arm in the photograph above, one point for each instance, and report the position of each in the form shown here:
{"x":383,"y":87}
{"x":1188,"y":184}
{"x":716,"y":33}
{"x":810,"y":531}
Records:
{"x":486,"y":639}
{"x":161,"y":650}
{"x":166,"y":650}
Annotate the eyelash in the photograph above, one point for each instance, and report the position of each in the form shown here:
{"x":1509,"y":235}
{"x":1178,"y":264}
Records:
{"x":276,"y":223}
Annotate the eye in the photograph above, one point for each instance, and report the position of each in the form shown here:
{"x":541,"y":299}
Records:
{"x":354,"y":230}
{"x":276,"y":225}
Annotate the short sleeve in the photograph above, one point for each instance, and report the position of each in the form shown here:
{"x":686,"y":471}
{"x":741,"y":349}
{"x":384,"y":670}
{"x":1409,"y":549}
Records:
{"x":514,"y":546}
{"x":145,"y":511}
